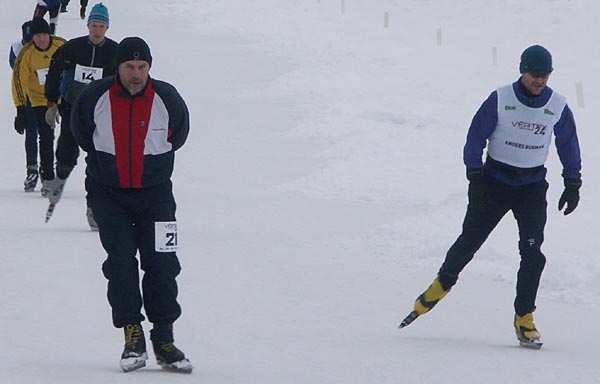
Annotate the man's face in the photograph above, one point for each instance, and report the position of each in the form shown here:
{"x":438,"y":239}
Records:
{"x":535,"y":82}
{"x":97,"y":32}
{"x":134,"y":75}
{"x":41,"y":40}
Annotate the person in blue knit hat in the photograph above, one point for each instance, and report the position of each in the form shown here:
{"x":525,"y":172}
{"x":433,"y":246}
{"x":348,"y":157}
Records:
{"x":516,"y":123}
{"x":99,"y":13}
{"x":79,"y":62}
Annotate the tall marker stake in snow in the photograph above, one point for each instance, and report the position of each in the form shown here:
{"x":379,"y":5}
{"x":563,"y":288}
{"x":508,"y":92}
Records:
{"x":343,"y":5}
{"x":386,"y":19}
{"x":439,"y":37}
{"x":495,"y":56}
{"x":579,"y":89}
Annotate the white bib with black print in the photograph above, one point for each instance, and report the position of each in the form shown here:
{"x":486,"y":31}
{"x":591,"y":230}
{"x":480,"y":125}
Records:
{"x":523,"y":134}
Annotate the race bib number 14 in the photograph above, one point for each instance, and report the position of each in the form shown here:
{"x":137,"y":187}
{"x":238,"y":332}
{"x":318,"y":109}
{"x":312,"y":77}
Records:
{"x":165,"y":236}
{"x":86,"y":75}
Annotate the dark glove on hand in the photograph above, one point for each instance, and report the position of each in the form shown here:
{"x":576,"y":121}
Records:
{"x":479,"y":194}
{"x":20,"y":120}
{"x":570,"y":195}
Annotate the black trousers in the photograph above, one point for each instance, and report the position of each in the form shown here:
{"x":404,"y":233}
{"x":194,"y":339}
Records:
{"x":67,"y":150}
{"x":126,"y":220}
{"x":528,"y":205}
{"x":31,"y":136}
{"x":46,"y":135}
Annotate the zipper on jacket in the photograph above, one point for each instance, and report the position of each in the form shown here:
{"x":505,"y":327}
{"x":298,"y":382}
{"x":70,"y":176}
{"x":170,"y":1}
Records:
{"x":93,"y":55}
{"x":131,"y":102}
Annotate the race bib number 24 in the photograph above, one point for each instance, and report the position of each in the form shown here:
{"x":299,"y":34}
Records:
{"x":165,"y":236}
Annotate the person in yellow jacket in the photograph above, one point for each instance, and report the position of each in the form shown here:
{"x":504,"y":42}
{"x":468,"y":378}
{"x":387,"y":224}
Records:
{"x":29,"y":77}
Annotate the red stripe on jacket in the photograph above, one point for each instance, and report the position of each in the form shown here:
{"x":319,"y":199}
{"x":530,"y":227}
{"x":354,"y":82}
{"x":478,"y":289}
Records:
{"x":130,"y":120}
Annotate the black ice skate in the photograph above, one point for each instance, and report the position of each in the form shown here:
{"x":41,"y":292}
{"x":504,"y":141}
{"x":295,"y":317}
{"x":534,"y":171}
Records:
{"x":134,"y":355}
{"x":170,"y":358}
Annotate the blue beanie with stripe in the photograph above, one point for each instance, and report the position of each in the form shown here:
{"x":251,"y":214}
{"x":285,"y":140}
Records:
{"x":99,"y":14}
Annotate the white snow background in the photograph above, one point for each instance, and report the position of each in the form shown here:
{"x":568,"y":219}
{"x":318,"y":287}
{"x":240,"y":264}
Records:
{"x":320,"y":187}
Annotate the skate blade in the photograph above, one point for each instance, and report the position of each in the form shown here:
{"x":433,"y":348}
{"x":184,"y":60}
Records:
{"x":181,"y":366}
{"x":132,"y":363}
{"x":50,"y":211}
{"x":408,"y":319}
{"x":531,"y":344}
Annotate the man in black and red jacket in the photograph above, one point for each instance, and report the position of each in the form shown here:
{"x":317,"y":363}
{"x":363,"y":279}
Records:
{"x":130,"y":125}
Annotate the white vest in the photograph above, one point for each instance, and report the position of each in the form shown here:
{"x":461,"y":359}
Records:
{"x":523,"y":134}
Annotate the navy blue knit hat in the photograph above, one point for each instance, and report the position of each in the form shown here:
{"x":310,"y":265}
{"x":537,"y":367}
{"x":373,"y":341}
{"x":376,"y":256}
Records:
{"x":26,"y":29}
{"x":99,"y":13}
{"x":536,"y":59}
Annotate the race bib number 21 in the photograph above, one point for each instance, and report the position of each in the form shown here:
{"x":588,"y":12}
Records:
{"x":165,"y":236}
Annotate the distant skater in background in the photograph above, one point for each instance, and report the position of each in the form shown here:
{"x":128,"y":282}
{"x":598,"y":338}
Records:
{"x":130,"y":125}
{"x":29,"y":77}
{"x":30,"y":126}
{"x":516,"y":122}
{"x":53,"y":9}
{"x":76,"y":64}
{"x":83,"y":4}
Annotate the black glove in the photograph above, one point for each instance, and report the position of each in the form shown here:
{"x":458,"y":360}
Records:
{"x":479,"y":193}
{"x":20,"y":120}
{"x":570,"y":195}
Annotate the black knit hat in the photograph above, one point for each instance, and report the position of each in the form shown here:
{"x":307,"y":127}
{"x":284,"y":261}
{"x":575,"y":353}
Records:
{"x":133,"y":48}
{"x":38,"y":25}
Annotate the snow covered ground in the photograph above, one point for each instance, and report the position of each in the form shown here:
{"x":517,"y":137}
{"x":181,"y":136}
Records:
{"x":317,"y":195}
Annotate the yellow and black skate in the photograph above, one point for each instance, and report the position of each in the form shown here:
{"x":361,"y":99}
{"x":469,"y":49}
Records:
{"x":528,"y":335}
{"x":425,"y":302}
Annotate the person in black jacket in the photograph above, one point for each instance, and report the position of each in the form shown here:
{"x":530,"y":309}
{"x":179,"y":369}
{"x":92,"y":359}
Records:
{"x":80,"y":61}
{"x":130,"y":125}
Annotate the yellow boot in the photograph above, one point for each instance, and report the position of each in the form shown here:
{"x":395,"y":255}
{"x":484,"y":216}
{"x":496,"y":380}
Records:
{"x":430,"y":297}
{"x":527,"y":333}
{"x":426,"y":302}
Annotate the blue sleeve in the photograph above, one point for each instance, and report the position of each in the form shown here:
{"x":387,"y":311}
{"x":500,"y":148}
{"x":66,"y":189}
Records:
{"x":12,"y":58}
{"x":567,"y":145}
{"x":483,"y":124}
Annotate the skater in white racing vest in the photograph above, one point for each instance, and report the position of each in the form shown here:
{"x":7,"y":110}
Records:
{"x":517,"y":123}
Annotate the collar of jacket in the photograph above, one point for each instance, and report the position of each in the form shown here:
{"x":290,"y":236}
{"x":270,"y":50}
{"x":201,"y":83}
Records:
{"x":96,"y":45}
{"x":530,"y":100}
{"x":43,"y":50}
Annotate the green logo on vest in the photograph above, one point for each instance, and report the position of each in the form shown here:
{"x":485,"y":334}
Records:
{"x":510,"y":107}
{"x":548,"y":112}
